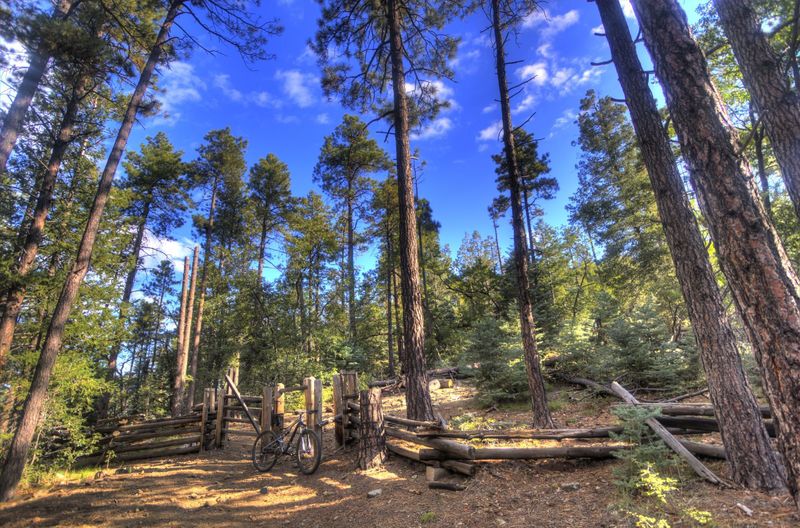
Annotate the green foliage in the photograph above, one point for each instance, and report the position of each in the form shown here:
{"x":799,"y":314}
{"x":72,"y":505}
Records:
{"x":495,"y":349}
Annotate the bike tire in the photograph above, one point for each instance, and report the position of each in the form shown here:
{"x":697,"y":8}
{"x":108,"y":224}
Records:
{"x":266,"y":451}
{"x":308,"y":451}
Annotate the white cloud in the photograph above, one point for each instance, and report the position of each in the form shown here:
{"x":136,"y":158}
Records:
{"x":264,"y":100}
{"x":178,"y":84}
{"x":466,"y":62}
{"x":297,"y":85}
{"x":492,"y":132}
{"x":525,"y":105}
{"x":546,"y":50}
{"x":436,"y":128}
{"x":286,"y":119}
{"x":156,"y":249}
{"x":223,"y":82}
{"x":429,"y":90}
{"x":322,"y":119}
{"x":553,"y":24}
{"x":567,"y":117}
{"x":488,"y":109}
{"x":598,"y":29}
{"x":538,"y":73}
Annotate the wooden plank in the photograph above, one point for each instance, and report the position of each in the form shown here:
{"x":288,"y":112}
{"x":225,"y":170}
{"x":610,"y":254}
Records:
{"x":338,"y":406}
{"x":454,"y":449}
{"x":139,"y":455}
{"x":220,"y":420}
{"x":235,"y":391}
{"x":243,"y":432}
{"x":204,"y":416}
{"x":671,"y":441}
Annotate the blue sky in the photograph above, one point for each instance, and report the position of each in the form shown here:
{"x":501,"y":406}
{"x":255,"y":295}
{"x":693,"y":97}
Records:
{"x":279,"y":108}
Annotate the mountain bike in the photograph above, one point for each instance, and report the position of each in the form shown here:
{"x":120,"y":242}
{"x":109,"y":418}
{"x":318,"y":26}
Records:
{"x":307,"y":448}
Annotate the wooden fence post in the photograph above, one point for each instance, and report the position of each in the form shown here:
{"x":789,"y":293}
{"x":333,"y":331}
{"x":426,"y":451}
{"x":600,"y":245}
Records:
{"x":313,"y":393}
{"x":204,"y":418}
{"x":220,"y":419}
{"x":266,"y":407}
{"x":340,"y":410}
{"x":280,"y":406}
{"x":372,"y":436}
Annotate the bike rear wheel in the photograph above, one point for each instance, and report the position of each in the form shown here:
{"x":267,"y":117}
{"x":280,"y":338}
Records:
{"x":266,"y":450}
{"x":309,"y":451}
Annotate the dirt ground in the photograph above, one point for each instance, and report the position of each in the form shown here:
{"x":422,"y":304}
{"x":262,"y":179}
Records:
{"x":222,"y":489}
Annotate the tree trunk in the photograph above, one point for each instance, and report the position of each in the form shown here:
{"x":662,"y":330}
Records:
{"x":201,"y":303}
{"x":372,"y":437}
{"x":262,"y":249}
{"x":21,"y":443}
{"x":753,"y":463}
{"x":15,"y":116}
{"x":189,"y":315}
{"x":26,"y":261}
{"x":389,"y":272}
{"x":398,"y":327}
{"x":418,"y":397}
{"x":351,"y":269}
{"x":763,"y":284}
{"x":527,"y":208}
{"x":497,"y":247}
{"x":541,"y":414}
{"x":765,"y":79}
{"x":180,"y":360}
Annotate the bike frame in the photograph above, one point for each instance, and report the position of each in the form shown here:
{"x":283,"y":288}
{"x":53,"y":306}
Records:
{"x":293,"y":428}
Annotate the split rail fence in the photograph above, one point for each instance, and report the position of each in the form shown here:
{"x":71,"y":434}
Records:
{"x":209,"y":425}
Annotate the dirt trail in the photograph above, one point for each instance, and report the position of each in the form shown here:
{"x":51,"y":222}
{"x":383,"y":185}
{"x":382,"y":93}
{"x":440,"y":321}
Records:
{"x":222,"y":489}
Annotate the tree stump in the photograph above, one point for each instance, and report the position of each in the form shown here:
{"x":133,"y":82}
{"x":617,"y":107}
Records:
{"x":372,"y":436}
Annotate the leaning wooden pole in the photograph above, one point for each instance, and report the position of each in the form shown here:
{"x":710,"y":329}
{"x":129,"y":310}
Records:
{"x":671,"y":441}
{"x":187,"y":328}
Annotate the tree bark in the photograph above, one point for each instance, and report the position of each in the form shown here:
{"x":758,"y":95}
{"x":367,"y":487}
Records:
{"x":21,"y":443}
{"x":777,"y":103}
{"x":180,"y":360}
{"x":201,"y":303}
{"x":753,"y":463}
{"x":763,"y":283}
{"x":372,"y":436}
{"x":26,"y":261}
{"x":389,"y":272}
{"x":497,"y":245}
{"x":398,"y":327}
{"x":418,"y":398}
{"x":15,"y":116}
{"x":541,"y":414}
{"x":189,"y":317}
{"x":351,"y":267}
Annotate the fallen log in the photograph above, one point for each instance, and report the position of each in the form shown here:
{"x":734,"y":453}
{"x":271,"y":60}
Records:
{"x":147,"y":435}
{"x":538,"y":434}
{"x":699,"y":423}
{"x":149,"y":425}
{"x":454,"y":449}
{"x":432,"y":457}
{"x":686,"y":396}
{"x":398,"y":420}
{"x":533,"y":453}
{"x":671,"y":441}
{"x":690,"y":409}
{"x":590,"y":385}
{"x":706,"y":450}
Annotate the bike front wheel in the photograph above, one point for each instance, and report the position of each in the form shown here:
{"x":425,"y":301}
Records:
{"x":309,"y":451}
{"x":266,"y":450}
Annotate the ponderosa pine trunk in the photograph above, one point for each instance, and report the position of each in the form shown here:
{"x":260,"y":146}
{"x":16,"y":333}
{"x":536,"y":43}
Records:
{"x":351,"y":266}
{"x":15,"y":117}
{"x":21,"y":443}
{"x":201,"y":303}
{"x":541,"y":413}
{"x":763,"y":284}
{"x":389,"y":272}
{"x":765,"y":78}
{"x":180,"y":359}
{"x":371,"y":434}
{"x":418,"y":397}
{"x":753,"y":462}
{"x":187,"y":338}
{"x":398,"y":325}
{"x":15,"y":296}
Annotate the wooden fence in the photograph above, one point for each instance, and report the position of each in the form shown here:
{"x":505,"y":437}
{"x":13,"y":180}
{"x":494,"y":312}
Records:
{"x":209,"y":425}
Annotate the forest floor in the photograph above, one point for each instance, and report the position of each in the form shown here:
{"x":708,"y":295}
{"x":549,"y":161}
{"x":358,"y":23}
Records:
{"x":221,"y":488}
